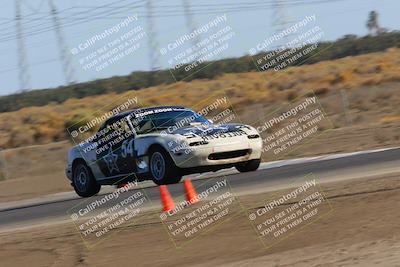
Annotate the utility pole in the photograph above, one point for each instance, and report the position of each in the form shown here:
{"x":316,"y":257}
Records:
{"x":65,"y":55}
{"x":24,"y":77}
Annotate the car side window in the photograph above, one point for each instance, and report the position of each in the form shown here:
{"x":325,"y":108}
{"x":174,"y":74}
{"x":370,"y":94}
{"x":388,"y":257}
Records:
{"x":142,"y":125}
{"x":112,"y":127}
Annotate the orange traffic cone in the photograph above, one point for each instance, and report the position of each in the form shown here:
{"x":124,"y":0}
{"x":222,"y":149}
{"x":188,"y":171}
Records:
{"x":191,"y":195}
{"x":166,"y":199}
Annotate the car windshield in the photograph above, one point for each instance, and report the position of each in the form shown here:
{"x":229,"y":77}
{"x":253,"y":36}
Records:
{"x":172,"y":119}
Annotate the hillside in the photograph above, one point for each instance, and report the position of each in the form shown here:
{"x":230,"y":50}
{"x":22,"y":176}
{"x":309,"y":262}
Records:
{"x":349,"y":45}
{"x":246,"y":92}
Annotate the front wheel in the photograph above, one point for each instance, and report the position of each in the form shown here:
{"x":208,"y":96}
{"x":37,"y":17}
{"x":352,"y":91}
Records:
{"x":162,"y":168}
{"x":83,"y":181}
{"x":248,"y":166}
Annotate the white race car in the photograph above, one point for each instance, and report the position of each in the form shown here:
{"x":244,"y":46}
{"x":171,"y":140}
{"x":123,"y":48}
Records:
{"x":162,"y":144}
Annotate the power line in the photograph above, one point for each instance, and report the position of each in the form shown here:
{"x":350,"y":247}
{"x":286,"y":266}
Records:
{"x":195,"y":7}
{"x":161,"y":13}
{"x":233,"y":9}
{"x":86,"y":18}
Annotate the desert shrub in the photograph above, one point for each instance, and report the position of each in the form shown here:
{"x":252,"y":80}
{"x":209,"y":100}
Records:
{"x":45,"y":124}
{"x":74,"y":122}
{"x":344,"y":47}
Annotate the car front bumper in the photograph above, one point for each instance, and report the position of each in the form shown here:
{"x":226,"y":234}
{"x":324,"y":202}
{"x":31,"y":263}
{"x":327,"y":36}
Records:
{"x":231,"y":152}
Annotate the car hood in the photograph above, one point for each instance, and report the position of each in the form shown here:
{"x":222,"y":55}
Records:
{"x":215,"y":131}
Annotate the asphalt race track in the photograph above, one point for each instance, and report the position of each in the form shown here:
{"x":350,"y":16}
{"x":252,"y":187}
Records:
{"x":326,"y":169}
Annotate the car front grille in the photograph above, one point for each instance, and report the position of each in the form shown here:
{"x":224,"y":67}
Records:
{"x":229,"y":154}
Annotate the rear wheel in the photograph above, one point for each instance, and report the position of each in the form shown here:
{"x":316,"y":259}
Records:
{"x":248,"y":166}
{"x":83,"y":181}
{"x":162,"y":168}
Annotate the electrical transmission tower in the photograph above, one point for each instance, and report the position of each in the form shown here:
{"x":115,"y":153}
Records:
{"x":24,"y":77}
{"x":280,"y":20}
{"x":68,"y":69}
{"x":154,"y":48}
{"x":190,"y":22}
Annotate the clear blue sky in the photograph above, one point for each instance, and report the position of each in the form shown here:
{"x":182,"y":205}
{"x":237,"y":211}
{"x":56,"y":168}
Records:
{"x":251,"y":26}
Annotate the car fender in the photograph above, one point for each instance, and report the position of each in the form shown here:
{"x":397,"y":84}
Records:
{"x":166,"y":141}
{"x":77,"y":153}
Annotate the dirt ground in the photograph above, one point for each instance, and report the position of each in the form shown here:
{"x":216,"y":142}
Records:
{"x":362,"y":229}
{"x":43,"y":172}
{"x":371,"y":120}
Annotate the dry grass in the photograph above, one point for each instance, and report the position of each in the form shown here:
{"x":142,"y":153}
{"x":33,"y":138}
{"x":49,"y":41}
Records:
{"x":39,"y":125}
{"x":390,"y":119}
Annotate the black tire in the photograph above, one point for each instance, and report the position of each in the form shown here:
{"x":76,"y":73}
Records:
{"x":166,"y":174}
{"x":83,"y":181}
{"x":248,"y":166}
